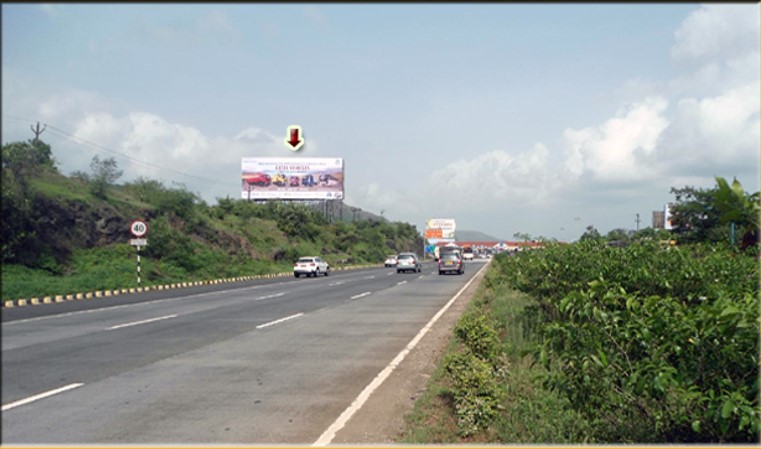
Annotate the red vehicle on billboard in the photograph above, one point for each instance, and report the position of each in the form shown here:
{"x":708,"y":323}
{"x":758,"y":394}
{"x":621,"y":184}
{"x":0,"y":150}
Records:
{"x":258,"y":179}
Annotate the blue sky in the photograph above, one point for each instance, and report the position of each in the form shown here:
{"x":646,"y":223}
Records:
{"x":534,"y":118}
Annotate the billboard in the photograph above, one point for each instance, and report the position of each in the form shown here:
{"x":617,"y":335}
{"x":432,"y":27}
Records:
{"x":296,"y":178}
{"x":439,"y":230}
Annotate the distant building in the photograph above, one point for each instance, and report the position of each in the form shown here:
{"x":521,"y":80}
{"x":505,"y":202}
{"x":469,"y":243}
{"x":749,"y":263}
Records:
{"x":659,"y":219}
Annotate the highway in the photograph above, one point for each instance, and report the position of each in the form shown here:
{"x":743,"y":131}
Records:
{"x":272,"y":361}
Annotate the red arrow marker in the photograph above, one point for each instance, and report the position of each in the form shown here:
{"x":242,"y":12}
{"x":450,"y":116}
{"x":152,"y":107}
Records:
{"x":296,"y":139}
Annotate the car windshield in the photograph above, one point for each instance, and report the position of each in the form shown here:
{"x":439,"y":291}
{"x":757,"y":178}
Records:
{"x":450,"y":256}
{"x":406,"y":256}
{"x":390,"y":257}
{"x":306,"y":260}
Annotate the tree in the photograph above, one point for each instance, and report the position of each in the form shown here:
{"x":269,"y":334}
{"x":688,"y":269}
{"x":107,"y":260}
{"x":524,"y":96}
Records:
{"x":525,"y":236}
{"x":618,"y":234}
{"x":736,"y":206}
{"x":651,"y":234}
{"x":693,"y":215}
{"x":591,"y":234}
{"x":25,"y":159}
{"x":104,"y":173}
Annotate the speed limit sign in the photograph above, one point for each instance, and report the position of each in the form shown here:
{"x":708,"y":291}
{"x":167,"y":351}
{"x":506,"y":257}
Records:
{"x":138,"y":228}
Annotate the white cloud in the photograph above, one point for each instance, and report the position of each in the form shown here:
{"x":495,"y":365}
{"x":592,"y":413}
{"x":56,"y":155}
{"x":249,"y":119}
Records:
{"x":717,"y":30}
{"x":714,"y":133}
{"x":618,"y":150}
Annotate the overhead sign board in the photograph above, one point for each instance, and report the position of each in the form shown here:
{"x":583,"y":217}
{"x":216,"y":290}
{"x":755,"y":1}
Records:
{"x":292,"y":178}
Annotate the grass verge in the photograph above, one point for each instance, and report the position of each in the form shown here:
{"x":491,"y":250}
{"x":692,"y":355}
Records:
{"x":528,"y":412}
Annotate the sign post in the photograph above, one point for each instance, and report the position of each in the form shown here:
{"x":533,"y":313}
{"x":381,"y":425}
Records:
{"x":139,"y":229}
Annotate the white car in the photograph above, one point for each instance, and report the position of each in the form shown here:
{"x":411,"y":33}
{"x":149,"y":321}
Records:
{"x":390,"y":261}
{"x":311,"y":266}
{"x":467,"y":256}
{"x":408,"y":261}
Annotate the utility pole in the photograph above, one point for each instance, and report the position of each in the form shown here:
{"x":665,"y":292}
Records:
{"x":37,"y":131}
{"x":637,"y":220}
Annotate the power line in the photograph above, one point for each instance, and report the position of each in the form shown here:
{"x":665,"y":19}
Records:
{"x":82,"y":140}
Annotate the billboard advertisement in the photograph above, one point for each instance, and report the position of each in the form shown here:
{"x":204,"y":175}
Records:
{"x":438,"y":230}
{"x":296,"y":178}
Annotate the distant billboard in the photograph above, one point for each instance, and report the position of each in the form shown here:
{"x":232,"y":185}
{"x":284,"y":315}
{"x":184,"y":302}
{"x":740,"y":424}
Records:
{"x":292,"y":178}
{"x":440,"y":230}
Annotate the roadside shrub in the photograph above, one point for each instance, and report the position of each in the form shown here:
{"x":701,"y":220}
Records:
{"x":475,"y":332}
{"x":477,"y":394}
{"x":652,"y":345}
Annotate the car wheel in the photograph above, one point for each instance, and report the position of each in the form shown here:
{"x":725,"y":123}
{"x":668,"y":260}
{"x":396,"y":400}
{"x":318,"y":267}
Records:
{"x":296,"y":274}
{"x":440,"y":273}
{"x":317,"y":272}
{"x":327,"y":271}
{"x":398,"y":271}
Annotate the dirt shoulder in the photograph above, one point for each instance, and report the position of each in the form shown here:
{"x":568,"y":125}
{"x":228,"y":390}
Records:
{"x":381,"y":418}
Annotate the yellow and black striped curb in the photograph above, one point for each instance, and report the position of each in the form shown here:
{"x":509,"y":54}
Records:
{"x":108,"y":293}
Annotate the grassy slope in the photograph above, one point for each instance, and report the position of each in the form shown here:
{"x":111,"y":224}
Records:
{"x":215,"y":246}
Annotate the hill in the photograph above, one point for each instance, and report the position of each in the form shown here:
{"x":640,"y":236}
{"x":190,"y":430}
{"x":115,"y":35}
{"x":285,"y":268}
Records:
{"x":64,"y":234}
{"x":474,"y":236}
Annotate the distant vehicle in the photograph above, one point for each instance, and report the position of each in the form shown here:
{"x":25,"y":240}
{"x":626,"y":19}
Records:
{"x":390,"y":261}
{"x":308,"y":181}
{"x":450,"y":262}
{"x":467,"y":253}
{"x":408,"y":262}
{"x":279,"y":180}
{"x":295,"y":182}
{"x":258,"y":179}
{"x":311,"y":266}
{"x":449,"y":248}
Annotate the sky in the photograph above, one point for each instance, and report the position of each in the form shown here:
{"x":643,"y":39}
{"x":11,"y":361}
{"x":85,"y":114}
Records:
{"x":530,"y":118}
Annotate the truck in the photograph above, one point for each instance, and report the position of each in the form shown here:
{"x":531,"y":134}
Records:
{"x":450,"y":248}
{"x":467,"y":253}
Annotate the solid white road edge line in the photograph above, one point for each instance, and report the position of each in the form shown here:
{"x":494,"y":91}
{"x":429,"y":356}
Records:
{"x":339,"y":423}
{"x":137,"y":323}
{"x":279,"y":321}
{"x":40,"y":396}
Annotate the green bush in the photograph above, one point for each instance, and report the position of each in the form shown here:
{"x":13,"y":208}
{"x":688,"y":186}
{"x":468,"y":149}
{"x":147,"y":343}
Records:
{"x":475,"y":332}
{"x":477,"y":394}
{"x":651,"y":345}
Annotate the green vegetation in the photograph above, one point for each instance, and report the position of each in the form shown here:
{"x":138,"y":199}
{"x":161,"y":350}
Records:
{"x":602,"y":343}
{"x":643,"y":344}
{"x":64,"y":234}
{"x":470,"y":400}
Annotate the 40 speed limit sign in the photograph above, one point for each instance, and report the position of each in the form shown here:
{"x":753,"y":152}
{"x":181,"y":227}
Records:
{"x":138,"y":228}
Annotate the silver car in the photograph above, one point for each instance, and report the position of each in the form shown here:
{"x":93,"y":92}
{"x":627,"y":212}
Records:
{"x":408,"y":262}
{"x":311,"y":266}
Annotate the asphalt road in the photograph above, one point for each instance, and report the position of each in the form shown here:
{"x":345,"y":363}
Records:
{"x":260,"y":362}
